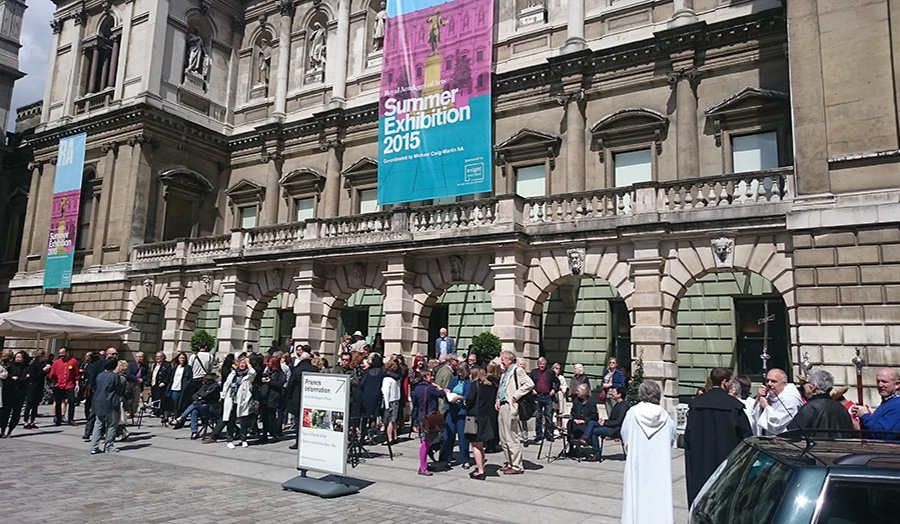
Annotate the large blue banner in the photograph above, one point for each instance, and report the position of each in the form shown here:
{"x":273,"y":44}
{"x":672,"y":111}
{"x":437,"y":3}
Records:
{"x":64,"y":213}
{"x":434,"y":126}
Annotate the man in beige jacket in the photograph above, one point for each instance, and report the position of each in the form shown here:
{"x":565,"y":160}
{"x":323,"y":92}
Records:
{"x":514,"y":384}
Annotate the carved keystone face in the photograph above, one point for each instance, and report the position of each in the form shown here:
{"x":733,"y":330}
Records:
{"x":722,"y":248}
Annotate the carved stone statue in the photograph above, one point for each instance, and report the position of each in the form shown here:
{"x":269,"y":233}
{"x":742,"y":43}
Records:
{"x":723,"y":247}
{"x":378,"y":33}
{"x":317,"y":47}
{"x":434,"y":34}
{"x":197,"y":59}
{"x":265,"y":61}
{"x":576,"y":260}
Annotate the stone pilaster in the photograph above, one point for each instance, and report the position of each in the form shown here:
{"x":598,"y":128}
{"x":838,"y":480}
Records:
{"x":684,"y":82}
{"x":284,"y":54}
{"x":57,"y":25}
{"x":309,"y":307}
{"x":509,"y":303}
{"x":339,"y":56}
{"x":575,"y":27}
{"x":174,"y":338}
{"x":29,"y":244}
{"x":683,"y":13}
{"x":72,"y":83}
{"x":237,"y":40}
{"x":123,"y":49}
{"x":575,"y":142}
{"x":651,"y":338}
{"x":108,"y":173}
{"x":335,"y":150}
{"x":274,"y":165}
{"x":399,"y":308}
{"x":232,"y":333}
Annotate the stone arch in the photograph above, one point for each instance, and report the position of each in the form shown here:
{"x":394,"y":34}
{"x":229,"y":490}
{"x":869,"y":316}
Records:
{"x":196,"y":296}
{"x":323,"y":13}
{"x":107,"y":23}
{"x":194,"y":17}
{"x":148,"y":319}
{"x":437,"y":275}
{"x":346,"y":280}
{"x":264,"y":288}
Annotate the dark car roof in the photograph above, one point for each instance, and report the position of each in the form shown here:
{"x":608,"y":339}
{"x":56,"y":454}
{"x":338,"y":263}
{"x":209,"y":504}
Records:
{"x":817,"y":452}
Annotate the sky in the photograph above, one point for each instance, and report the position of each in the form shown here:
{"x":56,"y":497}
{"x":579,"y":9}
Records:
{"x":33,"y":56}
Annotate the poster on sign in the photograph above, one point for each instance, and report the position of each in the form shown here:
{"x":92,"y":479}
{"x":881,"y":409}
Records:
{"x":434,"y":125}
{"x":64,"y":212}
{"x":324,"y":409}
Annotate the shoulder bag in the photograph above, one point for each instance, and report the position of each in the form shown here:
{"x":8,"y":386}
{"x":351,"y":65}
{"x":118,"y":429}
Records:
{"x":434,"y":421}
{"x":528,"y":403}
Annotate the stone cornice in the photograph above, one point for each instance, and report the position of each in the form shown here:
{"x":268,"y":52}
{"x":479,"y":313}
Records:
{"x":695,"y":37}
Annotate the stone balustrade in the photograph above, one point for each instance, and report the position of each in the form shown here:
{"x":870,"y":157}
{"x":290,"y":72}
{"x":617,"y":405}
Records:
{"x":700,"y":199}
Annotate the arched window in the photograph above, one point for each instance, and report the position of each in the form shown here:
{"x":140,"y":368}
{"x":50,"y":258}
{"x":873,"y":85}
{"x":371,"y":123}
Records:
{"x":102,"y":52}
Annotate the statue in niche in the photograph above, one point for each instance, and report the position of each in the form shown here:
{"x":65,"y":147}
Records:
{"x":317,"y":47}
{"x":197,"y":58}
{"x":434,"y":34}
{"x":265,"y":61}
{"x":378,"y":34}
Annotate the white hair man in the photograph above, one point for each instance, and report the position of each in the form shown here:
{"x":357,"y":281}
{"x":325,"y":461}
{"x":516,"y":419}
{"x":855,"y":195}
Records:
{"x":821,"y":412}
{"x":777,"y":403}
{"x":514,"y":384}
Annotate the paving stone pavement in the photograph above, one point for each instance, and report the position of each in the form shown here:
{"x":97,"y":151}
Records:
{"x":161,"y":475}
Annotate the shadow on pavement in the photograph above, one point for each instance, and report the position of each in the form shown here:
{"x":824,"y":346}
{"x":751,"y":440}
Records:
{"x":350,"y":481}
{"x":131,"y":447}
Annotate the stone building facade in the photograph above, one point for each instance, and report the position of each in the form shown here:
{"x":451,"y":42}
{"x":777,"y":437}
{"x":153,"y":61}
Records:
{"x":667,"y":174}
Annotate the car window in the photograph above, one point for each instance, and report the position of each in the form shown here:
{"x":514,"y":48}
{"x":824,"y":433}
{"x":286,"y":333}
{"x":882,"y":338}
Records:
{"x":860,"y":501}
{"x":748,"y":491}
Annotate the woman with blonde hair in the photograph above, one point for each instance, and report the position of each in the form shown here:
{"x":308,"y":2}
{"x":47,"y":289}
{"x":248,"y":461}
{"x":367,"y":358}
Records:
{"x":121,"y":370}
{"x":480,"y":404}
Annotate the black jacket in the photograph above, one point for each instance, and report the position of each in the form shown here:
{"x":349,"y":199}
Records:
{"x":716,"y":424}
{"x":617,"y":417}
{"x":270,"y":392}
{"x":295,"y":384}
{"x":584,"y":409}
{"x":131,"y":373}
{"x":823,"y":413}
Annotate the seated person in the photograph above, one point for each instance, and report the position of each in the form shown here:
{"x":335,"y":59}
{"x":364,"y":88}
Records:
{"x":610,"y":427}
{"x":584,"y":411}
{"x":205,"y":400}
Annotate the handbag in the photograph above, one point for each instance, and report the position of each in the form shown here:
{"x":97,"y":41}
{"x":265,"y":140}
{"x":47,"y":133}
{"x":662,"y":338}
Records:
{"x":434,"y":421}
{"x":527,"y":404}
{"x":471,"y":427}
{"x":253,"y":407}
{"x":602,"y":395}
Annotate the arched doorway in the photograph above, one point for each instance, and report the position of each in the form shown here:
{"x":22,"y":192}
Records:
{"x":585,"y":321}
{"x":275,"y":324}
{"x":465,"y":310}
{"x":363,"y":312}
{"x":724,"y":319}
{"x":148,"y":320}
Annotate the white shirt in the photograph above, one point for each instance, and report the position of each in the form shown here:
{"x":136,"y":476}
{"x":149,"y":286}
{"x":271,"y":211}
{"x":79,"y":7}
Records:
{"x":390,"y":390}
{"x":201,"y":364}
{"x":176,"y":378}
{"x":780,"y":411}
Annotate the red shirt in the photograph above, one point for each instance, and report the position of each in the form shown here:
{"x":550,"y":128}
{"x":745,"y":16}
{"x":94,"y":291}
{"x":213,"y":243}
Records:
{"x":64,"y":373}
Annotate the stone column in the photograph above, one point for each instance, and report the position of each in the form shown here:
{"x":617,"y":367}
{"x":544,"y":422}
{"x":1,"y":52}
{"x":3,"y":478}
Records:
{"x":92,"y":78}
{"x":399,"y":308}
{"x":286,"y":8}
{"x":309,"y":307}
{"x":333,"y":178}
{"x":72,"y":85}
{"x":139,"y":186}
{"x":174,"y":339}
{"x":41,"y":220}
{"x":653,"y":332}
{"x":274,"y":163}
{"x":112,"y":65}
{"x":808,"y":99}
{"x":124,"y":49}
{"x":339,"y":56}
{"x":684,"y":13}
{"x":106,"y":192}
{"x":31,"y":207}
{"x":575,"y":24}
{"x":509,"y":304}
{"x":237,"y":39}
{"x":233,"y":313}
{"x":56,"y":26}
{"x":158,"y":26}
{"x":575,"y":124}
{"x":686,"y":134}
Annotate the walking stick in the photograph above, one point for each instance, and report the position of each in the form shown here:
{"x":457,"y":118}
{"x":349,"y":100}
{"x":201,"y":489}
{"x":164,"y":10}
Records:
{"x":858,"y":362}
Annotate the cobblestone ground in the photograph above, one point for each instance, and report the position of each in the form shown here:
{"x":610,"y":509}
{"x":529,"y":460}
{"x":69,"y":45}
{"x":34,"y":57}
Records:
{"x":160,"y":475}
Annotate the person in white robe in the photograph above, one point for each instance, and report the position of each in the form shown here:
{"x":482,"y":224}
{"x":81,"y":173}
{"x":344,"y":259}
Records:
{"x":648,"y":434}
{"x":777,"y":403}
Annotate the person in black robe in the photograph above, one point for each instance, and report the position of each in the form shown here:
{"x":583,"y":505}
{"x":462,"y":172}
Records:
{"x":821,"y":413}
{"x":716,"y":424}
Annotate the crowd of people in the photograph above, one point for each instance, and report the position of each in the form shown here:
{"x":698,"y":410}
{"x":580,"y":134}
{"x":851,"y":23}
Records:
{"x":460,"y":408}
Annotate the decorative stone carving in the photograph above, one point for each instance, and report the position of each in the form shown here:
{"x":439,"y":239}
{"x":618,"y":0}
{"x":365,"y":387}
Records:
{"x":317,"y":45}
{"x":277,"y":276}
{"x":456,"y":267}
{"x":358,"y":272}
{"x":56,"y":24}
{"x":378,"y":32}
{"x":264,"y":54}
{"x":196,"y":67}
{"x":204,"y":5}
{"x":207,"y":284}
{"x":286,"y":7}
{"x":80,"y":17}
{"x":723,"y":251}
{"x":148,"y":286}
{"x":576,"y":260}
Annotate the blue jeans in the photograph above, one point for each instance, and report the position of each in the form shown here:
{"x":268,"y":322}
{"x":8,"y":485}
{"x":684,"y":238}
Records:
{"x":195,"y":411}
{"x":111,"y":420}
{"x":543,"y":415}
{"x":593,"y":431}
{"x":454,"y":428}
